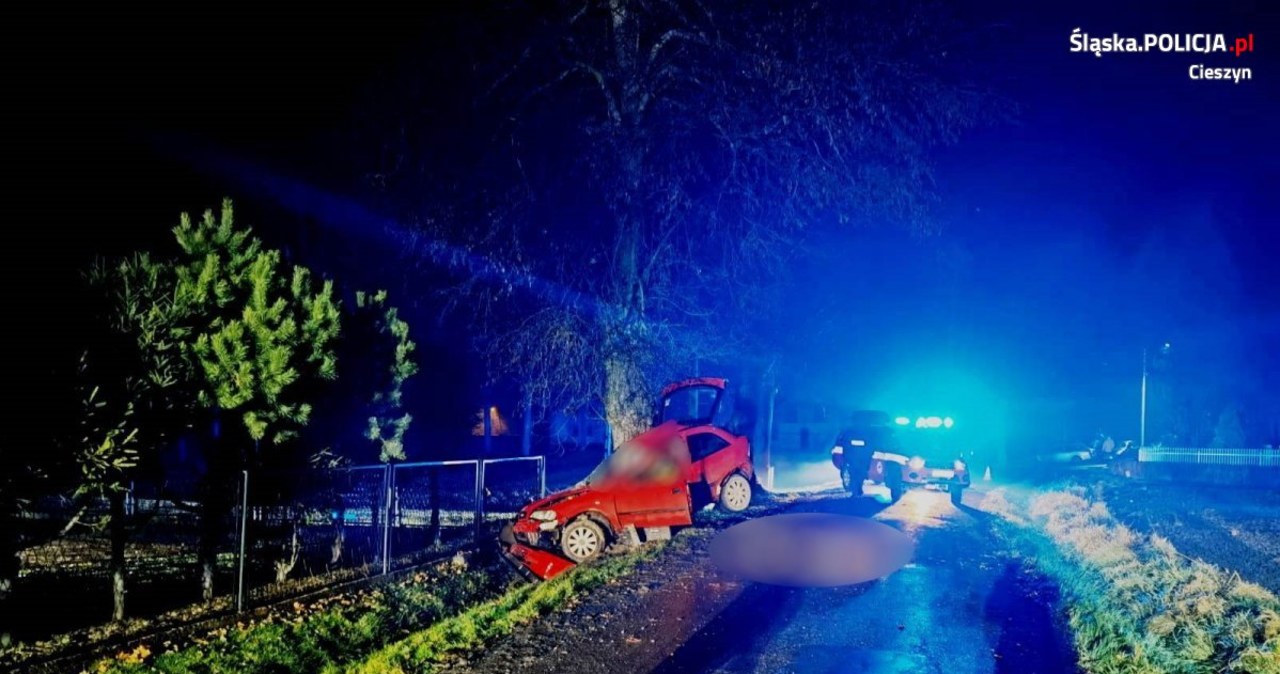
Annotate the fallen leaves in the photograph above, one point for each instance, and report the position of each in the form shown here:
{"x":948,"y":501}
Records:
{"x":137,"y":656}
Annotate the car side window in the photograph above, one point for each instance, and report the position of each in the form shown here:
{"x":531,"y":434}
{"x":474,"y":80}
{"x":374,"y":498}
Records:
{"x":702,"y":445}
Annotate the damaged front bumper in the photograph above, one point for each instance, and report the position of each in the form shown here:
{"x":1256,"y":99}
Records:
{"x":532,"y":562}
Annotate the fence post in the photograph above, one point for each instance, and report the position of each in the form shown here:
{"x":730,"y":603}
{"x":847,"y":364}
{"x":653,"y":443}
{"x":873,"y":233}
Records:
{"x":479,"y":498}
{"x":244,"y":520}
{"x":386,"y":517}
{"x":542,"y":476}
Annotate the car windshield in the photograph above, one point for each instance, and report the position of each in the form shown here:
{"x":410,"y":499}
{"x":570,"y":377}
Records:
{"x":639,"y":463}
{"x":690,"y":405}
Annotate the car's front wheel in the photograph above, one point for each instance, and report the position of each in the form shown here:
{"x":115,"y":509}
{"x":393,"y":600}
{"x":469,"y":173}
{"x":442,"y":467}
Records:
{"x":582,"y":540}
{"x":894,"y":481}
{"x":735,"y":493}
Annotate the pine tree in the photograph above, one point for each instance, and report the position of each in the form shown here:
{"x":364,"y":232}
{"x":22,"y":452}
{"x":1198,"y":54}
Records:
{"x":262,"y":332}
{"x":259,"y":336}
{"x":388,"y":421}
{"x":224,"y":329}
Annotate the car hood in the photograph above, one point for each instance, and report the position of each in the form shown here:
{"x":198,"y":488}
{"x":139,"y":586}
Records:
{"x":552,"y":500}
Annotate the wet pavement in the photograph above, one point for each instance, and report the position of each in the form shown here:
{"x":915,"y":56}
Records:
{"x":963,"y":604}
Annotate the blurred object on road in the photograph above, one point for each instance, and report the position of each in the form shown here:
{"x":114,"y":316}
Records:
{"x":811,"y":550}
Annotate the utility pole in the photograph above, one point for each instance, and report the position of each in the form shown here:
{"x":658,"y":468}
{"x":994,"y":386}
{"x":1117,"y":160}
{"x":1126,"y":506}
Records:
{"x":768,"y":433}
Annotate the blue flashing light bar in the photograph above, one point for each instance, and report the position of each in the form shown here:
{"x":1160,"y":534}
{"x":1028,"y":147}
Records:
{"x":929,"y":422}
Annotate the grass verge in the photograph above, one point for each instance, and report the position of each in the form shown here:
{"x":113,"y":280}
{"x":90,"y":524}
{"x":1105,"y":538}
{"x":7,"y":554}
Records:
{"x":340,"y":629}
{"x":410,"y":625}
{"x":425,"y":650}
{"x":1135,"y":604}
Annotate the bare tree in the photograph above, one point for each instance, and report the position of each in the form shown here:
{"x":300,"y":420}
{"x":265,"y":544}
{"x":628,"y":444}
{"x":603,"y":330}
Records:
{"x":653,"y":167}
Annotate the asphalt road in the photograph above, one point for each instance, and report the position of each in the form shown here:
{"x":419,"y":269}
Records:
{"x":963,"y":604}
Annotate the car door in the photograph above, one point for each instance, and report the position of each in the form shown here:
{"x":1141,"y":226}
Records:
{"x":713,"y":454}
{"x":660,"y":496}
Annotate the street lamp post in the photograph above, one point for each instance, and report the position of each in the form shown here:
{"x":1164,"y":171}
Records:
{"x":1142,"y":427}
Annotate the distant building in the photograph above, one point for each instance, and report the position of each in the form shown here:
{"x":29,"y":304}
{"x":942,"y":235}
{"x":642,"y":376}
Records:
{"x":804,"y":429}
{"x":498,"y":423}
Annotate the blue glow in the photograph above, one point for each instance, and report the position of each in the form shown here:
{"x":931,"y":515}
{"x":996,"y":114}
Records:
{"x":347,"y":215}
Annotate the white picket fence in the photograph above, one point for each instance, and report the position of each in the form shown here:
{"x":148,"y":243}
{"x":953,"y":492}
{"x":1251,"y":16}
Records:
{"x":1211,"y":456}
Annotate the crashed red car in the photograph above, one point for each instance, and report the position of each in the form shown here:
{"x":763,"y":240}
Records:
{"x":649,"y":485}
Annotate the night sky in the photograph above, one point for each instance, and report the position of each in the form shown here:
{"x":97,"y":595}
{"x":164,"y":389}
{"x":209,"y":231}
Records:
{"x":1121,"y":206}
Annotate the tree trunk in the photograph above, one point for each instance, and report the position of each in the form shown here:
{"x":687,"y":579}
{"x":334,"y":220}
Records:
{"x":526,"y":435}
{"x":339,"y":533}
{"x":488,"y":427}
{"x":212,"y":504}
{"x":626,"y":400}
{"x":208,"y":550}
{"x":285,"y":566}
{"x":580,"y":436}
{"x":116,"y":563}
{"x":210,"y":533}
{"x":10,"y":565}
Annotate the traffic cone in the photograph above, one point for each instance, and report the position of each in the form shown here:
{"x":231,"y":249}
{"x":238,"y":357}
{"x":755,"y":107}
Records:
{"x":986,"y":477}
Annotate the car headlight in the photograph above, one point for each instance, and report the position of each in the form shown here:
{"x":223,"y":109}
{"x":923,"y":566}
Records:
{"x":543,"y":515}
{"x":916,"y":463}
{"x":960,"y":465}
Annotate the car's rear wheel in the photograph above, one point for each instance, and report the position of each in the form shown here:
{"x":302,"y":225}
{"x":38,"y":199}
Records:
{"x":735,"y":494}
{"x":582,"y":540}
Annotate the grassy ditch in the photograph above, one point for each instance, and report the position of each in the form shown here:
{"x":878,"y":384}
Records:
{"x":425,"y":650}
{"x":410,"y":624}
{"x":340,"y":629}
{"x":1138,"y":606}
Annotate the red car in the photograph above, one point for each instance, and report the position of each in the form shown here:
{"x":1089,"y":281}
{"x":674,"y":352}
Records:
{"x":650,"y":484}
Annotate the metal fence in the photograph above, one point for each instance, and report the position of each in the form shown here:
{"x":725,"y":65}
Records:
{"x":371,"y":518}
{"x":1211,"y":456}
{"x":282,"y":534}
